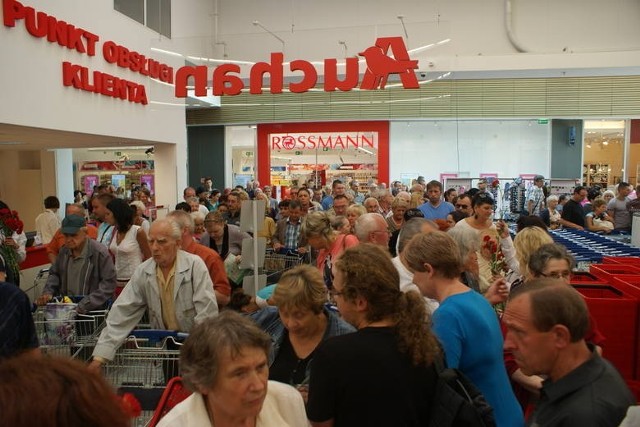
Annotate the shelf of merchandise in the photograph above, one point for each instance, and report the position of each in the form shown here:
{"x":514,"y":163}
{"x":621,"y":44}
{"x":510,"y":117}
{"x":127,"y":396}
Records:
{"x":595,"y":173}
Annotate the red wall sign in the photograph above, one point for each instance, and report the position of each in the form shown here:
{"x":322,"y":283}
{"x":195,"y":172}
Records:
{"x":386,"y":57}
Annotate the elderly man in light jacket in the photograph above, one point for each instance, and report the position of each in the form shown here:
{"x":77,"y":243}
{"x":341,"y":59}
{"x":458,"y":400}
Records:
{"x":173,"y":285}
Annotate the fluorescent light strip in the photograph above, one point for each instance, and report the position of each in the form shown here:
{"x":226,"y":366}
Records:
{"x":167,"y":52}
{"x":121,"y":148}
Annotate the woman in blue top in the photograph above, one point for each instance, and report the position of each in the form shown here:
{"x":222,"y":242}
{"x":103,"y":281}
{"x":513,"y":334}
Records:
{"x":465,"y":322}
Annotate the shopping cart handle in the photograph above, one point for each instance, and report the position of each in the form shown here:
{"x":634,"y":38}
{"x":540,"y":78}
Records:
{"x":153,"y":334}
{"x":183,"y":335}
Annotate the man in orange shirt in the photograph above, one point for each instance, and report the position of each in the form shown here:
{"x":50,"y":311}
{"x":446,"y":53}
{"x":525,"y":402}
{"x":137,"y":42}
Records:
{"x":210,"y":257}
{"x":57,"y":242}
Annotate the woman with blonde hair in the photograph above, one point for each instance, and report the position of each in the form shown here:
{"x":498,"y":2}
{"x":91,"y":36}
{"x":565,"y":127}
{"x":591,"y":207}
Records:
{"x":330,"y":244}
{"x":526,"y":243}
{"x":387,"y":363}
{"x":353,"y":213}
{"x":299,"y":324}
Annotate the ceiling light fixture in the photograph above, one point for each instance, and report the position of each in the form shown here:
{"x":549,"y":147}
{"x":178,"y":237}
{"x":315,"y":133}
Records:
{"x":406,"y":35}
{"x":258,"y":24}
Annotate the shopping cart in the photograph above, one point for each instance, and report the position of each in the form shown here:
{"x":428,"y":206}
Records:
{"x":143,"y":366}
{"x":276,"y":263}
{"x":61,"y":331}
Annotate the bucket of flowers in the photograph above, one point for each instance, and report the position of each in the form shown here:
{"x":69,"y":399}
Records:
{"x":9,"y":223}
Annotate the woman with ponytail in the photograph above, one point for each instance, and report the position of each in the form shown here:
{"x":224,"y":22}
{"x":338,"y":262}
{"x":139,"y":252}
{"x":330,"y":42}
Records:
{"x":387,"y":363}
{"x":465,"y":322}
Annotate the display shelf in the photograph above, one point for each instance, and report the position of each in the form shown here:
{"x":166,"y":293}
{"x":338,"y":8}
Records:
{"x":596,"y":174}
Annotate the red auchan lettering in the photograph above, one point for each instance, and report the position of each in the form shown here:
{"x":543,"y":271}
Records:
{"x":323,"y":140}
{"x":227,"y":80}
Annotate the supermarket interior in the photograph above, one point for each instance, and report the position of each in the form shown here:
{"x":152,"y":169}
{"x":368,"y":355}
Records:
{"x":409,"y":125}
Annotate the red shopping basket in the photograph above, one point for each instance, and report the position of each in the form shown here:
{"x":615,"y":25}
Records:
{"x":175,"y":393}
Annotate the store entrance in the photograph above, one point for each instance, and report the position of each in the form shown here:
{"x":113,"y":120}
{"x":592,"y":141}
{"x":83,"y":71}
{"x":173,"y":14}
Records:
{"x":316,"y":154}
{"x":603,"y":149}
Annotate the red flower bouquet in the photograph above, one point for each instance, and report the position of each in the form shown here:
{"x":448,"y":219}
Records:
{"x":491,"y":251}
{"x":9,"y":223}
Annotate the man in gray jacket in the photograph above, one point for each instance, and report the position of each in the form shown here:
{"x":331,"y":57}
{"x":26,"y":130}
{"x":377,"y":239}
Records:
{"x":83,"y":268}
{"x":173,"y":285}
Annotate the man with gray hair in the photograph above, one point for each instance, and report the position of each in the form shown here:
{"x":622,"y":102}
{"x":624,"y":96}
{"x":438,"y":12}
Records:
{"x":211,"y":259}
{"x":546,"y":322}
{"x":173,"y":286}
{"x":372,"y":228}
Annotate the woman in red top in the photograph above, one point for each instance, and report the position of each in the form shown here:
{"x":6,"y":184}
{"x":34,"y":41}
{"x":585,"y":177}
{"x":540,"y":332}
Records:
{"x":329,"y":243}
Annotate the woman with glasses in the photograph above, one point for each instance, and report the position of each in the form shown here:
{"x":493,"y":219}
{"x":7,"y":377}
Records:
{"x":298,"y":325}
{"x":330,"y":244}
{"x":383,"y":374}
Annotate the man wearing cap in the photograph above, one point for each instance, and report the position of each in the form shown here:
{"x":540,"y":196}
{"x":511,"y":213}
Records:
{"x":535,"y":196}
{"x":83,"y":268}
{"x":57,"y":243}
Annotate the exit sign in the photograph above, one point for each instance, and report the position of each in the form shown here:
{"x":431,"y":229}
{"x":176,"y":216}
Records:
{"x":543,"y":121}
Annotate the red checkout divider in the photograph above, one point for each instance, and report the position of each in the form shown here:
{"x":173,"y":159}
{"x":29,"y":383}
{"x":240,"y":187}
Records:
{"x":608,"y":271}
{"x":616,"y":313}
{"x":585,"y":278}
{"x":630,"y":283}
{"x":631,"y":260}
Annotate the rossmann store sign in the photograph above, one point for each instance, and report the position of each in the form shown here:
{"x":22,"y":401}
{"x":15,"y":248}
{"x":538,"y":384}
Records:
{"x":388,"y":56}
{"x":324,"y":141}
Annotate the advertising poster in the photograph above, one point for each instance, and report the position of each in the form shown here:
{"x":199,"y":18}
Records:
{"x":90,"y":181}
{"x":118,"y":181}
{"x":149,"y":181}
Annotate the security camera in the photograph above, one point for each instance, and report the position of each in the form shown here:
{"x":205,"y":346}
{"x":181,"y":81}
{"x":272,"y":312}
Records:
{"x":149,"y":151}
{"x":423,"y":75}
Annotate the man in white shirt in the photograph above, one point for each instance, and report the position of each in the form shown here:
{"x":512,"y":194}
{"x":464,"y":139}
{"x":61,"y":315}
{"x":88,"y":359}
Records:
{"x":48,"y":222}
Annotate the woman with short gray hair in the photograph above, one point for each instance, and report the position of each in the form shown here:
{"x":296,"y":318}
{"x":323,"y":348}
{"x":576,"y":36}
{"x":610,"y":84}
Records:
{"x":224,"y":363}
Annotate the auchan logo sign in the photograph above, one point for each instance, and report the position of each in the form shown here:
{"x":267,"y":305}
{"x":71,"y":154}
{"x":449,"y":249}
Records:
{"x":386,"y":57}
{"x":328,"y":140}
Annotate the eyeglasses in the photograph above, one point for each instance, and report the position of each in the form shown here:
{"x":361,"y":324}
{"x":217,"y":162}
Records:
{"x":558,"y":274}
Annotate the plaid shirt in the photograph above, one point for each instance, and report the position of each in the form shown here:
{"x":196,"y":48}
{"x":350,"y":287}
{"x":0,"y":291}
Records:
{"x":292,"y":235}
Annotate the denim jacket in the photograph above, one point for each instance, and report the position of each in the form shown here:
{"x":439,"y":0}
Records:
{"x":269,"y":320}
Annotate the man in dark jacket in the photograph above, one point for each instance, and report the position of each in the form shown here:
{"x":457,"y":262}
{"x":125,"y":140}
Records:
{"x":83,"y":267}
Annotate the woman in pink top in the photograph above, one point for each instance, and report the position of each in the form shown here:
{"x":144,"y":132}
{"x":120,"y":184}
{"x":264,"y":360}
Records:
{"x":329,"y":243}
